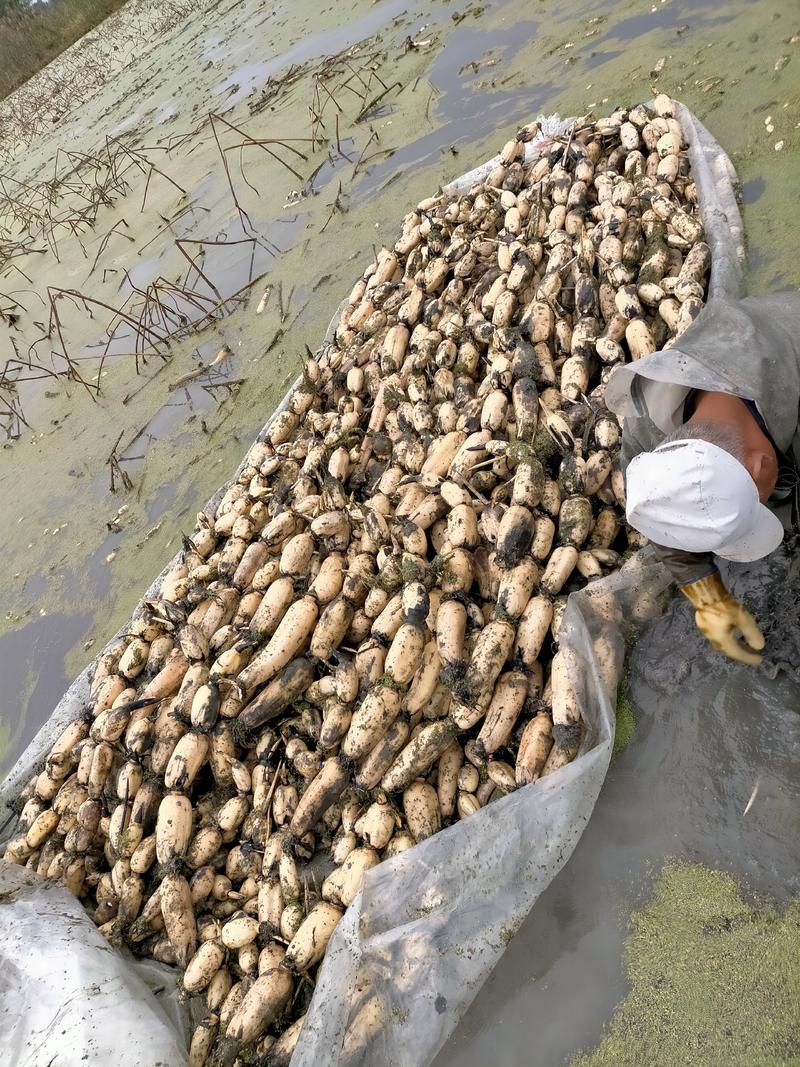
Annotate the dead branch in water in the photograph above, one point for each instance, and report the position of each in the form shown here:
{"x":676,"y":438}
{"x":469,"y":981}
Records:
{"x":104,"y":244}
{"x":248,"y":141}
{"x":115,"y":470}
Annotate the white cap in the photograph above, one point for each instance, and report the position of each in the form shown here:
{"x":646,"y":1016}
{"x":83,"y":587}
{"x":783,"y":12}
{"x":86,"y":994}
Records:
{"x":696,"y":497}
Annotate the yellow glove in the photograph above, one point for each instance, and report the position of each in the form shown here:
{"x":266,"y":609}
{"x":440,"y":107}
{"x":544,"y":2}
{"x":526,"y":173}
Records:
{"x":719,"y":616}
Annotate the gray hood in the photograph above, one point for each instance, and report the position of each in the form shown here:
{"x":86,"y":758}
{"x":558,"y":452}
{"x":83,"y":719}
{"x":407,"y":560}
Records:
{"x":749,"y":348}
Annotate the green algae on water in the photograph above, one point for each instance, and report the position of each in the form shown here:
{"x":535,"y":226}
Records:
{"x":714,"y":980}
{"x":625,"y":721}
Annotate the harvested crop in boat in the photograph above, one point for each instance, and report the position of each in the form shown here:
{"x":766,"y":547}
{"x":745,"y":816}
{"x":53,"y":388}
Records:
{"x":360,"y":645}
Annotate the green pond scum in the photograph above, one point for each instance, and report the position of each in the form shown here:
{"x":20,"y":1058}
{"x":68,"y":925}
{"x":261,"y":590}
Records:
{"x":624,"y":722}
{"x":714,"y":979}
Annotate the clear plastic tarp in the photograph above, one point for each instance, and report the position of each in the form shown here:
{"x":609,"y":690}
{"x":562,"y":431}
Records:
{"x":67,"y":997}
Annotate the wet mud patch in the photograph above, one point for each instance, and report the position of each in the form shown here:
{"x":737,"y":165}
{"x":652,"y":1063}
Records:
{"x":770,"y":589}
{"x":714,"y":979}
{"x":597,"y":59}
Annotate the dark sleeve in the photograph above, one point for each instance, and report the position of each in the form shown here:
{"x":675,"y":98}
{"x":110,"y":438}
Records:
{"x":685,"y":567}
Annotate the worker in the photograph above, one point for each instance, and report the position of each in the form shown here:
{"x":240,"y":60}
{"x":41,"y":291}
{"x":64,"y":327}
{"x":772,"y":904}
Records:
{"x":710,"y":445}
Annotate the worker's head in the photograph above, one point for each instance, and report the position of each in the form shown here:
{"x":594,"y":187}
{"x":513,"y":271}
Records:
{"x":702,"y":489}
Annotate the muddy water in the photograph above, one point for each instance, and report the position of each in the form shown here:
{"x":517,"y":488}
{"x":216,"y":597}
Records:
{"x":75,"y":564}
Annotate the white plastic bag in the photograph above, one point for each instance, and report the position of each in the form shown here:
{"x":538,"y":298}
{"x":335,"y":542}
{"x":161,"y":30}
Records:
{"x":66,"y":997}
